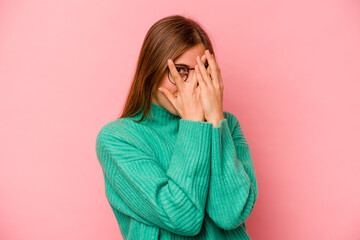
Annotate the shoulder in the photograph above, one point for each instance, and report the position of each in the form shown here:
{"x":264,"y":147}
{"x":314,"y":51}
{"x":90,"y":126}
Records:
{"x":232,"y":120}
{"x":123,"y":129}
{"x":230,"y":116}
{"x":235,"y":127}
{"x":118,"y":140}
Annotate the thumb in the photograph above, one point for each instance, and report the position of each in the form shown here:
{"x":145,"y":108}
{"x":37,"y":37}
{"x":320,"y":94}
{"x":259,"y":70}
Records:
{"x":168,"y":95}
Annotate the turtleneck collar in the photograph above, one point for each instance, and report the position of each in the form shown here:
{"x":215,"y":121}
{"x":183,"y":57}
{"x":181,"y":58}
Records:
{"x":160,"y":117}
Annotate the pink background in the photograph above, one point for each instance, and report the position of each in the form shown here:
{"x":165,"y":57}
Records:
{"x":291,"y":72}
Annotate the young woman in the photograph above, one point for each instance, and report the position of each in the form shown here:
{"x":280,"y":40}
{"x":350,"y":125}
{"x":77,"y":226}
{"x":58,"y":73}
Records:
{"x":176,"y":166}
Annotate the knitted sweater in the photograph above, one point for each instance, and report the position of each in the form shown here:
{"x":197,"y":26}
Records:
{"x":172,"y":178}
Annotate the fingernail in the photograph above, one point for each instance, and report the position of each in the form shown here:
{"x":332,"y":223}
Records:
{"x":169,"y":61}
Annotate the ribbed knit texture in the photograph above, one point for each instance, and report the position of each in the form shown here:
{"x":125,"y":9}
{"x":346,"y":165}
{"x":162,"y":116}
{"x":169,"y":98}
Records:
{"x":171,"y":178}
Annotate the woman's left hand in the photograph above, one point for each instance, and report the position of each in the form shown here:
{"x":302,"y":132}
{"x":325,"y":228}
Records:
{"x":211,"y":88}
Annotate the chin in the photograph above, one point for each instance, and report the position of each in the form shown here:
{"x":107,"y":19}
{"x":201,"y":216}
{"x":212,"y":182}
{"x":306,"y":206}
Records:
{"x":173,"y":111}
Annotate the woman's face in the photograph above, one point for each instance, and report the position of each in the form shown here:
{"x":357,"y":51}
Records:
{"x":188,"y":58}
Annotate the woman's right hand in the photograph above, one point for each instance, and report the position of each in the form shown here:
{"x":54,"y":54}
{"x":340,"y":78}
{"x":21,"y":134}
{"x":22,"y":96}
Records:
{"x":187,"y":103}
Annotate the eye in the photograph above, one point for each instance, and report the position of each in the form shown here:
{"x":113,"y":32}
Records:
{"x":182,"y":70}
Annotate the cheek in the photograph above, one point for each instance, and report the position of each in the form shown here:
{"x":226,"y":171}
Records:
{"x":169,"y":86}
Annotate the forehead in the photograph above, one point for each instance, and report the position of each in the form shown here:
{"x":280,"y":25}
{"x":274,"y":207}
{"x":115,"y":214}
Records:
{"x":189,"y":56}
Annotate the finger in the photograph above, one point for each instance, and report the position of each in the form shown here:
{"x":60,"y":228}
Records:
{"x":208,"y":69}
{"x":175,"y":75}
{"x":197,"y":92}
{"x":200,"y":80}
{"x":215,"y":70}
{"x":203,"y":72}
{"x":194,"y":82}
{"x":203,"y":58}
{"x":215,"y":81}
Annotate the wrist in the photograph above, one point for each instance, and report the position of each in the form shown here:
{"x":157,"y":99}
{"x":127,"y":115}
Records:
{"x":215,"y":121}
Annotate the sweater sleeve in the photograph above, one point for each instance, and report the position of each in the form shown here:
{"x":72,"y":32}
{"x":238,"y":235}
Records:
{"x":233,"y":186}
{"x":140,"y":188}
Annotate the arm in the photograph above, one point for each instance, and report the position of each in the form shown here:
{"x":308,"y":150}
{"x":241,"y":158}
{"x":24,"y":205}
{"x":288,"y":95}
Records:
{"x":233,"y":186}
{"x":174,"y":199}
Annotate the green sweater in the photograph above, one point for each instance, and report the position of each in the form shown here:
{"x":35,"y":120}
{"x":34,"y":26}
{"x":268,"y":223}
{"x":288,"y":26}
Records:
{"x":172,"y":178}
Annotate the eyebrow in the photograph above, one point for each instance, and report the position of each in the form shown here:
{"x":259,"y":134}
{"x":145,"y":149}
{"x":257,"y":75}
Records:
{"x":183,"y":64}
{"x":186,"y":64}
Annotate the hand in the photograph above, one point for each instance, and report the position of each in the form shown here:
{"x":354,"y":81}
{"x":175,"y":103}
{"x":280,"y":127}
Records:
{"x":187,"y":103}
{"x":211,"y":87}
